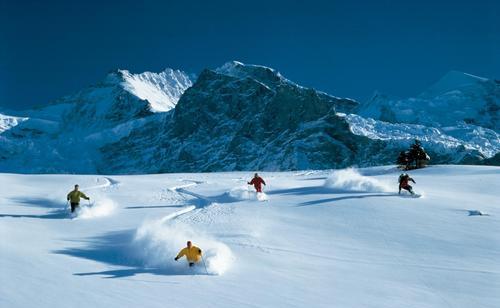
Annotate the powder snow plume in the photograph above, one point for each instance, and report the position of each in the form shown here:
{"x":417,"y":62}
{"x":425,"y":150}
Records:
{"x":156,"y":243}
{"x":241,"y":193}
{"x":101,"y":207}
{"x":350,"y":180}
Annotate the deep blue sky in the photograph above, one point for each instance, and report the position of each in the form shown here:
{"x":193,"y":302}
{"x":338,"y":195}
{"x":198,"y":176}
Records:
{"x":346,"y":48}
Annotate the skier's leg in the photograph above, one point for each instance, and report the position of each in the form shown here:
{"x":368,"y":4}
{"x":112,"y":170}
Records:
{"x":410,"y":189}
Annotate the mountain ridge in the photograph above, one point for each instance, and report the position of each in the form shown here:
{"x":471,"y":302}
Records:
{"x":240,"y":117}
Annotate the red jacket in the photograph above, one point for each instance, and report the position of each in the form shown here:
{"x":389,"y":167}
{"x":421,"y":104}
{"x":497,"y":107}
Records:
{"x":257,"y":182}
{"x":404,"y":181}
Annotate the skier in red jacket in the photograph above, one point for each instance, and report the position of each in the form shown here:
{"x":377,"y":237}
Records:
{"x":257,"y":182}
{"x":404,"y":180}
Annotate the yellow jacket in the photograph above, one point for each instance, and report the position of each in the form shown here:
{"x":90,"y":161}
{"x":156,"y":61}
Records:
{"x":193,"y":254}
{"x":75,"y":195}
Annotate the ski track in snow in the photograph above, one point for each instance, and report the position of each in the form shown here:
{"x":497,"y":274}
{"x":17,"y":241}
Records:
{"x":180,"y":189}
{"x":108,"y":183}
{"x":169,"y":235}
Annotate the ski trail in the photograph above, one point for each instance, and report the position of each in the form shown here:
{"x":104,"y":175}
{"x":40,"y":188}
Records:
{"x":108,"y":182}
{"x":177,"y":213}
{"x":202,"y":200}
{"x":180,"y":189}
{"x":158,"y":240}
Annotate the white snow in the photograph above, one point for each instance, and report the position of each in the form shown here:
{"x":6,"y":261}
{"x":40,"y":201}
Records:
{"x":7,"y":122}
{"x":341,"y":238}
{"x":161,"y":90}
{"x":440,"y":139}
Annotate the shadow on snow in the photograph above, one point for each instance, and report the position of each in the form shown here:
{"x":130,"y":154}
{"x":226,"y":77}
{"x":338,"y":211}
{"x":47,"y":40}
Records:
{"x":115,"y":249}
{"x":320,"y":201}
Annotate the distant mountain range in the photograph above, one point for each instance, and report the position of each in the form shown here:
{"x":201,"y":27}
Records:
{"x":245,"y":117}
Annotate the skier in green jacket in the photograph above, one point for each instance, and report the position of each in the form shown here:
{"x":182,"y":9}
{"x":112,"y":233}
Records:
{"x":74,"y":198}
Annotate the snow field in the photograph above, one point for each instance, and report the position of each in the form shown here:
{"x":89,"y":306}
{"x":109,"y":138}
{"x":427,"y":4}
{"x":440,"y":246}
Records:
{"x":341,"y":238}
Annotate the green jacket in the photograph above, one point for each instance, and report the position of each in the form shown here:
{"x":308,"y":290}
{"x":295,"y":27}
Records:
{"x":75,"y":195}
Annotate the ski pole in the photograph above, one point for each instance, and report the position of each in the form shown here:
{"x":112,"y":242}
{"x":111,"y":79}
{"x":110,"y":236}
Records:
{"x":202,"y":259}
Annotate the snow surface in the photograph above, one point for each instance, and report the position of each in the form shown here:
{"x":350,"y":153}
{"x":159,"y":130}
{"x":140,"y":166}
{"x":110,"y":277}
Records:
{"x":340,"y":238}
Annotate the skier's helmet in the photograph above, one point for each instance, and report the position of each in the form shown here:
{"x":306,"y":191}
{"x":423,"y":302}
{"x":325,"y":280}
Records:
{"x":189,"y":244}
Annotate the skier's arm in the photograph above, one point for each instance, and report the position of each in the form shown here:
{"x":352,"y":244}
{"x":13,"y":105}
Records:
{"x":251,"y":182}
{"x":181,"y":254}
{"x":413,"y":180}
{"x":68,"y":196}
{"x":263,"y":182}
{"x":84,"y":196}
{"x":199,"y":251}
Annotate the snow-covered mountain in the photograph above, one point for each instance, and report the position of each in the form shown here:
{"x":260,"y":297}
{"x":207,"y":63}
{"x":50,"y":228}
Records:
{"x":65,"y":136}
{"x":161,"y":90}
{"x":461,"y":144}
{"x":245,"y":117}
{"x":457,"y":118}
{"x":455,"y":99}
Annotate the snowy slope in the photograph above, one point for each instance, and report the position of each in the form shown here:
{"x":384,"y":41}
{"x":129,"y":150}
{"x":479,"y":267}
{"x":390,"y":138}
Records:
{"x":324,"y":239}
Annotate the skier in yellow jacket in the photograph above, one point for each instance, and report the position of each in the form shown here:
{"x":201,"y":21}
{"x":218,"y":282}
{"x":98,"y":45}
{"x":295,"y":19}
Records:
{"x":74,"y":198}
{"x":192,"y":253}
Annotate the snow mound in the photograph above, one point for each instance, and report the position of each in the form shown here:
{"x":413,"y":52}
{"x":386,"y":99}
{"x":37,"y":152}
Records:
{"x":102,"y":207}
{"x":156,"y":243}
{"x":350,"y":180}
